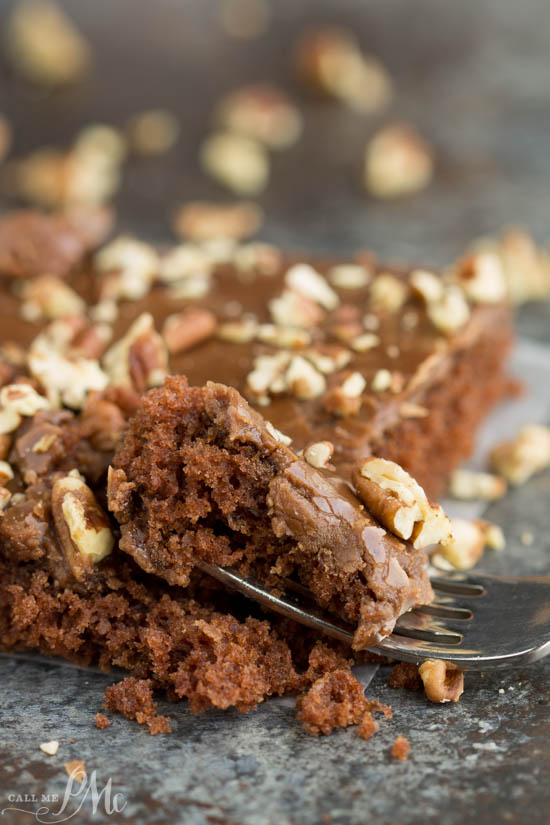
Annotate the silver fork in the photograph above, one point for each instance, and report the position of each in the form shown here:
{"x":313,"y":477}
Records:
{"x":478,"y":622}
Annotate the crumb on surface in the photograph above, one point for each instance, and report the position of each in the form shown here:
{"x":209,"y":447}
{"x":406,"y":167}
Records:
{"x":368,"y":726}
{"x":405,"y":675}
{"x":50,"y":748}
{"x":400,"y":748}
{"x":76,"y":769}
{"x":102,"y":721}
{"x":335,"y":700}
{"x":134,"y":699}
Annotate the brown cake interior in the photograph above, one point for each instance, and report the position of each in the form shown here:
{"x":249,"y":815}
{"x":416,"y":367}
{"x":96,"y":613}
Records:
{"x":199,"y":476}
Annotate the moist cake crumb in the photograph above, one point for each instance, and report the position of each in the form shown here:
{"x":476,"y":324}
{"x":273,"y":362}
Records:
{"x":102,"y":721}
{"x":405,"y":675}
{"x":335,"y":700}
{"x":134,"y":699}
{"x":400,"y":748}
{"x":368,"y":726}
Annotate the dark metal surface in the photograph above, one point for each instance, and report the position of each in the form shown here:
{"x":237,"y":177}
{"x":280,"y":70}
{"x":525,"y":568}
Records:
{"x":475,"y":77}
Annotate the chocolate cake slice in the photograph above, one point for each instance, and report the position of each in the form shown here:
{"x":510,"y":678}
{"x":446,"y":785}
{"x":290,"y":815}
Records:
{"x":200,"y":475}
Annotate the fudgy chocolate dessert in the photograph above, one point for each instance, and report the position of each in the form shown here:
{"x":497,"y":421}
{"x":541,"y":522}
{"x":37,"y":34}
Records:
{"x":200,"y":476}
{"x":349,"y":360}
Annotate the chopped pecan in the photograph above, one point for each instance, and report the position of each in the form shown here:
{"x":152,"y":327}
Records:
{"x":238,"y":162}
{"x":83,"y":528}
{"x":443,"y":681}
{"x":184,"y":330}
{"x":398,"y":502}
{"x":138,"y":360}
{"x":528,"y":453}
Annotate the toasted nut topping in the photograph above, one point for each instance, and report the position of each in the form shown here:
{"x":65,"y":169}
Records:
{"x":382,"y":381}
{"x":5,"y":445}
{"x":464,"y":548}
{"x":238,"y":332}
{"x":44,"y":45}
{"x":399,"y":502}
{"x":6,"y":473}
{"x":82,"y":526}
{"x":47,"y":298}
{"x":139,"y":359}
{"x":264,"y":113}
{"x":5,"y":498}
{"x":305,"y":280}
{"x":303,"y":380}
{"x":261,"y":257}
{"x":388,"y":293}
{"x":267,"y":376}
{"x":200,"y":221}
{"x":410,"y":410}
{"x":22,"y":399}
{"x":443,"y":681}
{"x":328,"y":358}
{"x":237,"y":162}
{"x":50,"y":748}
{"x":525,"y":455}
{"x":371,"y":322}
{"x":451,"y":312}
{"x":190,"y":289}
{"x":329,"y":60}
{"x":76,"y":770}
{"x":292,"y":309}
{"x":469,"y":485}
{"x":482,"y":278}
{"x":526,"y":269}
{"x":188,"y":328}
{"x":277,"y":434}
{"x":398,"y":162}
{"x":285,"y":337}
{"x":409,"y":319}
{"x":66,"y":377}
{"x":354,"y":385}
{"x":427,"y":285}
{"x":364,"y":342}
{"x":153,"y":132}
{"x":9,"y":421}
{"x":349,"y":276}
{"x":184,"y":261}
{"x":104,"y":312}
{"x":44,"y":443}
{"x":133,"y":265}
{"x":319,"y":454}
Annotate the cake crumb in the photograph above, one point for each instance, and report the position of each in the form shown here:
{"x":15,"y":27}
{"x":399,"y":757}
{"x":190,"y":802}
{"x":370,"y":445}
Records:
{"x":50,"y":748}
{"x":134,"y":699}
{"x":335,"y":700}
{"x":101,"y":721}
{"x":405,"y":675}
{"x":400,"y":748}
{"x":368,"y":726}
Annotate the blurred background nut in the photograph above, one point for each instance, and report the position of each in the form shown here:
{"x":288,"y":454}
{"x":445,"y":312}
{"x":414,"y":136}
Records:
{"x":262,"y":112}
{"x":529,"y":453}
{"x":139,"y":360}
{"x":398,"y":162}
{"x":83,"y":528}
{"x":5,"y":137}
{"x":329,"y":61}
{"x":469,"y":485}
{"x":443,"y":681}
{"x":47,"y":298}
{"x":22,"y":399}
{"x":467,"y":542}
{"x":153,"y":132}
{"x":319,"y":453}
{"x":184,"y":330}
{"x":198,"y":221}
{"x":235,"y":161}
{"x":482,"y":278}
{"x":44,"y":45}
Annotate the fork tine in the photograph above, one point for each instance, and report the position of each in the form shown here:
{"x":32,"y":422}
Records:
{"x":444,"y":611}
{"x":458,"y":587}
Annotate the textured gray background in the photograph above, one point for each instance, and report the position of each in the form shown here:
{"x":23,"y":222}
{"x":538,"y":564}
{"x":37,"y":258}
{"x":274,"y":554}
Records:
{"x":475,"y":77}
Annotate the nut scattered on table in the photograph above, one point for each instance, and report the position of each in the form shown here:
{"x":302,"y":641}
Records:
{"x":464,"y":548}
{"x":50,"y":748}
{"x":469,"y":485}
{"x":398,"y":162}
{"x":443,"y":681}
{"x":199,"y":221}
{"x":528,"y":453}
{"x":261,"y":112}
{"x":237,"y":162}
{"x":44,"y":45}
{"x":329,"y":60}
{"x":398,"y":502}
{"x":153,"y":132}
